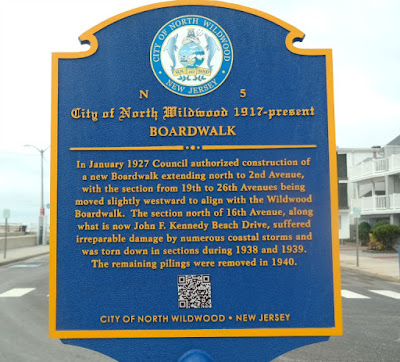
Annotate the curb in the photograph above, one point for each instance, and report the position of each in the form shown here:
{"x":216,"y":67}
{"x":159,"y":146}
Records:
{"x":376,"y":275}
{"x":22,"y":258}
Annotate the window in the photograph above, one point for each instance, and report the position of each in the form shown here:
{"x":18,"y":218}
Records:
{"x":343,"y":199}
{"x":342,"y":166}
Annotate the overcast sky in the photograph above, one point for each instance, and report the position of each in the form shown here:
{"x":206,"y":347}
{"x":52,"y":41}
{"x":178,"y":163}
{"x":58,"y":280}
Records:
{"x":364,"y":36}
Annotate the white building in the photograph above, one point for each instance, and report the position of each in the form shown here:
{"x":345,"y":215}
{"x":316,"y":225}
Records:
{"x":347,"y":160}
{"x":377,"y":184}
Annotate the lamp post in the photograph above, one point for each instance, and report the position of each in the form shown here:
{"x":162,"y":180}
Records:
{"x":41,"y":233}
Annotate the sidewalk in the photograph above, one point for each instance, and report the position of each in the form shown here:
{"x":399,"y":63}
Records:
{"x":382,"y":265}
{"x":19,"y":254}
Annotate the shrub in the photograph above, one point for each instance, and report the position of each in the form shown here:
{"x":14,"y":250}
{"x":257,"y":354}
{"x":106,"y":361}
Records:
{"x":380,"y":223}
{"x":363,"y":232}
{"x":380,"y":247}
{"x":372,"y":242}
{"x":386,"y":234}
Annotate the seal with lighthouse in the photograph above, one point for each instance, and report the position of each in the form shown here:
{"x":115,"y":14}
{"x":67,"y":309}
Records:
{"x":191,"y":55}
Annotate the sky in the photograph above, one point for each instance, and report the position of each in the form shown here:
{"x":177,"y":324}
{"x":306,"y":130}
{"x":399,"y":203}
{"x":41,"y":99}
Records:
{"x":363,"y":34}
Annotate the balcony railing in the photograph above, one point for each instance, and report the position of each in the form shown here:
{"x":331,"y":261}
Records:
{"x":376,"y":167}
{"x":379,"y":204}
{"x":394,"y":201}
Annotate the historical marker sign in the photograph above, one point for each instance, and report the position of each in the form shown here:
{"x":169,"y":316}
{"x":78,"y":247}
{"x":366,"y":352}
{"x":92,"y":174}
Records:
{"x":194,"y":185}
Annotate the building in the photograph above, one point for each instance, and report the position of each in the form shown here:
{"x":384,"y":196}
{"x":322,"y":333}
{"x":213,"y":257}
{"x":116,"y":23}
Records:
{"x":347,"y":160}
{"x":376,"y":181}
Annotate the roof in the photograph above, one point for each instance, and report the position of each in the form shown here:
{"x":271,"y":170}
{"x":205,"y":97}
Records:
{"x":394,"y":142}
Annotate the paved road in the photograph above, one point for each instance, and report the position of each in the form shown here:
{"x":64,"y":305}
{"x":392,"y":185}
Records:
{"x":371,"y":323}
{"x":371,"y":311}
{"x":24,"y":317}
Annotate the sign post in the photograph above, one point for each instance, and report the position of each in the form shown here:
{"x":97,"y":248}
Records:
{"x":6,"y":216}
{"x":356,"y":215}
{"x":194,"y":192}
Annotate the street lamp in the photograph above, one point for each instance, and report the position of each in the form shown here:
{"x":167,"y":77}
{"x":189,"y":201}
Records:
{"x":41,"y":215}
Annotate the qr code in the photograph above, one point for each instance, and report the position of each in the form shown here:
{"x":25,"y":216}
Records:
{"x":194,"y":291}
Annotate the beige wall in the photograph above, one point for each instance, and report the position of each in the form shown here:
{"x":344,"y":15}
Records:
{"x":14,"y":242}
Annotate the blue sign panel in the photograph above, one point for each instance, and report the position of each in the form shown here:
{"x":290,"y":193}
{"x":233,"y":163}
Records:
{"x":194,"y":184}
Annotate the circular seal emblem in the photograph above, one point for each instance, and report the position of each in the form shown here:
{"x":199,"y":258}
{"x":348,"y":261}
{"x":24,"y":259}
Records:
{"x":191,"y":55}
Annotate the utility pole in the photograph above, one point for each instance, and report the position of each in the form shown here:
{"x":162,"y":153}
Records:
{"x":41,"y":233}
